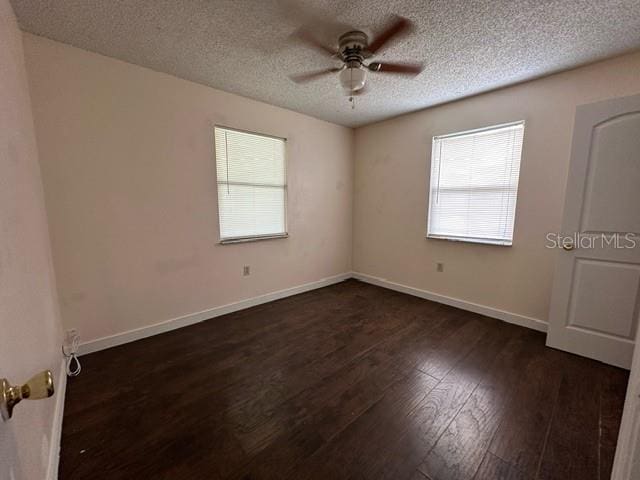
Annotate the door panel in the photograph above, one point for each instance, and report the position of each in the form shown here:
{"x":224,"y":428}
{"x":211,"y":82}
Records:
{"x":596,"y":293}
{"x":605,"y":293}
{"x":613,"y":176}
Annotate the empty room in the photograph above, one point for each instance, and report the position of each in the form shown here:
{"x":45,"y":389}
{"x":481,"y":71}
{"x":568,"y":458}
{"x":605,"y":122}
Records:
{"x":319,"y":239}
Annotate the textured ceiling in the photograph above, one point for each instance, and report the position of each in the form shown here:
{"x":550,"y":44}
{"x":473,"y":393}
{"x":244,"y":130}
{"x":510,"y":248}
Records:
{"x":243,"y":46}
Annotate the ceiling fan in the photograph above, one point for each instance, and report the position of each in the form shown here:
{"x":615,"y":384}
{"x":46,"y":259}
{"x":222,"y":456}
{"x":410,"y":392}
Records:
{"x":353,"y":50}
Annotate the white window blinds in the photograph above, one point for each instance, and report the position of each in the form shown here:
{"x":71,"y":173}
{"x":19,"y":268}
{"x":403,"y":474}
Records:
{"x":252,"y":185}
{"x":474,"y":184}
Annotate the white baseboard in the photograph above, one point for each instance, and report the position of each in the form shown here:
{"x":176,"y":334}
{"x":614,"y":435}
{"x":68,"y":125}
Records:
{"x":190,"y":319}
{"x":509,"y":317}
{"x":56,"y":429}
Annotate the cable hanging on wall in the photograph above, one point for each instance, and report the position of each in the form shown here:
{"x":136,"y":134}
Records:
{"x":70,"y":351}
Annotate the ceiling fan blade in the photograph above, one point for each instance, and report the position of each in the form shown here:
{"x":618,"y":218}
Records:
{"x":310,"y":76}
{"x":398,"y":25}
{"x":399,"y":68}
{"x":307,"y":37}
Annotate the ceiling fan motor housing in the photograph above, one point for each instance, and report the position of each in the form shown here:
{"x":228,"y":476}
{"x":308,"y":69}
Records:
{"x":354,"y":47}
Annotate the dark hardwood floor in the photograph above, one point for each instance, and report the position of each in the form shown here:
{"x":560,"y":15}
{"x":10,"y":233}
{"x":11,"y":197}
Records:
{"x":350,"y":381}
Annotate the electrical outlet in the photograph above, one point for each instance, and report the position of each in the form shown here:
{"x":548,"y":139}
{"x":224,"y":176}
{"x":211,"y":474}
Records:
{"x":70,"y":336}
{"x":439,"y":267}
{"x":246,"y":270}
{"x":71,"y":340}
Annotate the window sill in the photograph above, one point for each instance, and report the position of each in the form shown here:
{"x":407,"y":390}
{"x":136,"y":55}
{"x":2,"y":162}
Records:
{"x":481,"y":241}
{"x":229,"y":241}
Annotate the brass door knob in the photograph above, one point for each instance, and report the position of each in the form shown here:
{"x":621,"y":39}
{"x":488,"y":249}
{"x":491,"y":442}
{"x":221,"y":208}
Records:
{"x":568,"y":246}
{"x":39,"y":386}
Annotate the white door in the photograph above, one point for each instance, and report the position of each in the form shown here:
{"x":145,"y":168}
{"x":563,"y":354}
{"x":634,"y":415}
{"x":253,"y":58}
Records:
{"x":626,"y":465}
{"x":596,"y":291}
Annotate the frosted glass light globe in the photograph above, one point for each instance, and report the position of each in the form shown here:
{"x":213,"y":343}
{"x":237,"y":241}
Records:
{"x":353,"y":78}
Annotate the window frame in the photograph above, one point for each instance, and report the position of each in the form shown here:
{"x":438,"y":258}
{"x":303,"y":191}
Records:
{"x":251,"y":238}
{"x":471,"y":239}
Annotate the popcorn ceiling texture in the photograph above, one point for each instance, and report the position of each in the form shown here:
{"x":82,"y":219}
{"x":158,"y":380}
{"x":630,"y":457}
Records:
{"x":242,"y":46}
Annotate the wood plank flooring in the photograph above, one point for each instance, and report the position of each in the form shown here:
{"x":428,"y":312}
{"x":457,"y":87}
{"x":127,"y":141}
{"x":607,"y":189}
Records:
{"x":351,"y":381}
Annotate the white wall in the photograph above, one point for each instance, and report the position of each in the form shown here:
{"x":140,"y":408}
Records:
{"x":129,"y":177}
{"x":127,"y":160}
{"x":30,"y":332}
{"x":391,"y":181}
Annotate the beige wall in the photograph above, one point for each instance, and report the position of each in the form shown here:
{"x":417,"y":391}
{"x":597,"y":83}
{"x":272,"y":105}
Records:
{"x":128,"y":169}
{"x":30,"y":332}
{"x":392,"y":172}
{"x":127,"y":160}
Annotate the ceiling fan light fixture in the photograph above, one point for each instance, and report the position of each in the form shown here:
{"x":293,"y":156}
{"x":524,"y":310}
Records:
{"x":355,"y":51}
{"x":353,"y":78}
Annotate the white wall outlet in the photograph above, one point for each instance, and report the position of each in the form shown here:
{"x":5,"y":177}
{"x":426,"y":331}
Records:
{"x":70,"y":335}
{"x":246,"y":270}
{"x":439,"y":267}
{"x":71,"y":340}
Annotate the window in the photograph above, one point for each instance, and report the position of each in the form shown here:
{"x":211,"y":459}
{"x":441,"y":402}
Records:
{"x":474,"y":184}
{"x":252,"y":185}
